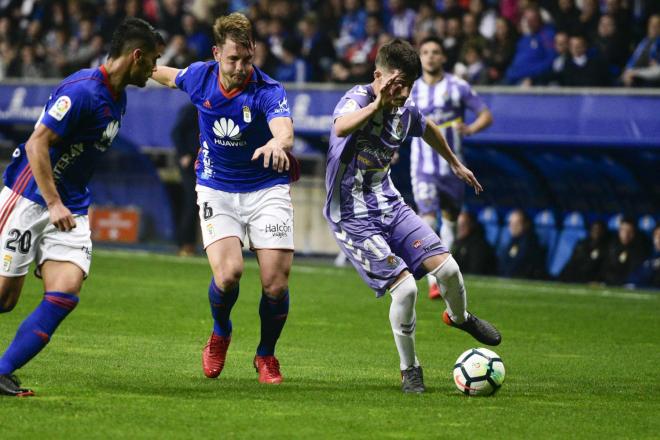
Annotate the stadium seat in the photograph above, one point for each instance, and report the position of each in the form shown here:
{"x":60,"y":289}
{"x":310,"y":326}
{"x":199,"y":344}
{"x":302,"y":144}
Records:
{"x":572,"y":232}
{"x":490,"y":221}
{"x":546,"y":231}
{"x":646,"y":224}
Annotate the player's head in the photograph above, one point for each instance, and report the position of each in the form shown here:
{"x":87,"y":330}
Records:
{"x":139,"y":42}
{"x":432,"y":55}
{"x":234,"y":48}
{"x":397,"y":57}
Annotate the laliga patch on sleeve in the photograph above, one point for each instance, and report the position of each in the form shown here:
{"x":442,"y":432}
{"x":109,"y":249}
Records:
{"x":60,"y":108}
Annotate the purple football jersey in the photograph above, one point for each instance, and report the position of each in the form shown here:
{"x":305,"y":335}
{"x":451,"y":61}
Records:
{"x":358,"y":171}
{"x":377,"y":231}
{"x":444,"y":103}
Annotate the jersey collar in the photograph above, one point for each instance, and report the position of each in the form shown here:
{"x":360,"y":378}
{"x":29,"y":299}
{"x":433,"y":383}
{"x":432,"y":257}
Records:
{"x":106,"y":82}
{"x":238,"y":89}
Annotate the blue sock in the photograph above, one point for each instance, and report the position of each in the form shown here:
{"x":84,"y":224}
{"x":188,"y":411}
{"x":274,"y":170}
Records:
{"x":35,"y":332}
{"x":221,"y":305}
{"x":273,"y":313}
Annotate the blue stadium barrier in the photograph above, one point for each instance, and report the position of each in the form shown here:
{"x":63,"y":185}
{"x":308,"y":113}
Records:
{"x":572,"y":232}
{"x":546,"y":231}
{"x":490,"y":221}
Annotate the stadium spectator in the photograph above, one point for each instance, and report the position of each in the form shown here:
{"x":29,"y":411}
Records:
{"x":263,"y":58}
{"x":317,"y":48}
{"x":352,"y":26}
{"x":471,"y":36}
{"x":197,"y":37}
{"x":649,"y":274}
{"x":585,"y":264}
{"x":177,"y":54}
{"x":618,"y":9}
{"x":452,"y":43}
{"x":112,"y":14}
{"x":624,"y":254}
{"x":169,"y":17}
{"x":292,"y":67}
{"x":358,"y":59}
{"x":535,"y":52}
{"x":581,"y":69}
{"x":610,"y":45}
{"x":472,"y":67}
{"x":471,"y":250}
{"x":567,"y":17}
{"x":424,"y":20}
{"x":451,"y":9}
{"x":563,"y":54}
{"x":589,"y":16}
{"x":185,"y":136}
{"x":522,"y":257}
{"x":643,"y":68}
{"x":500,"y":50}
{"x":30,"y":66}
{"x":485,"y":16}
{"x":402,"y":20}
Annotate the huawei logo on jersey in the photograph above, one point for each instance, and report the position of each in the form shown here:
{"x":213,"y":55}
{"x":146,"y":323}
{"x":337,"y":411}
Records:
{"x":108,"y":136}
{"x":228,"y":132}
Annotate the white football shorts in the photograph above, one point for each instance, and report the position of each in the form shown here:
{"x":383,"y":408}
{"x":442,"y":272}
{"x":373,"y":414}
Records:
{"x":27,"y":235}
{"x":266,"y":216}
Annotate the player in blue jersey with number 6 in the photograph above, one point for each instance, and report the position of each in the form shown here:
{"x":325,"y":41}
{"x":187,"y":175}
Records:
{"x":243,"y":173}
{"x":43,"y":206}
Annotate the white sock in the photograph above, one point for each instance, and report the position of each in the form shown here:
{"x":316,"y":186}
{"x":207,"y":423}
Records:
{"x":450,"y":278}
{"x":403,"y":320}
{"x":447,"y":233}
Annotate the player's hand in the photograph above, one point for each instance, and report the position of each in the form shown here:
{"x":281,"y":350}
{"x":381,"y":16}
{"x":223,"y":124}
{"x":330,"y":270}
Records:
{"x":274,"y":156}
{"x":387,"y":92}
{"x":61,"y":217}
{"x":463,"y":173}
{"x":464,"y":129}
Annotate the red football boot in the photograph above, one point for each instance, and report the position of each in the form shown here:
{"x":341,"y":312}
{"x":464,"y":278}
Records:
{"x":214,"y":354}
{"x":434,"y":291}
{"x":268,"y":368}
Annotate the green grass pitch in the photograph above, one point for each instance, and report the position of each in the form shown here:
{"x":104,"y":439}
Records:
{"x":581,"y":362}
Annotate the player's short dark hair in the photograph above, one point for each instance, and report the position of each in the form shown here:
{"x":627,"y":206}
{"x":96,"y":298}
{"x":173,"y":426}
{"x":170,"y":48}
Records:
{"x":399,"y":55}
{"x":134,"y":33}
{"x":432,"y":39}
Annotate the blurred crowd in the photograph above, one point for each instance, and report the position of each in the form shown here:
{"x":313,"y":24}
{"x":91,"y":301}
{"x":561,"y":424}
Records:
{"x":527,"y":42}
{"x":625,"y":256}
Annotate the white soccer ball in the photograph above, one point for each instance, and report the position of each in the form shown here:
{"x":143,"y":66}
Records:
{"x":478,"y":372}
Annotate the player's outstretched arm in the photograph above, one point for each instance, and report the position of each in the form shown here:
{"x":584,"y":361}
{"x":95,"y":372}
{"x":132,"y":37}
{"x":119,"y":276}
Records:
{"x":166,"y":76}
{"x":433,"y":136}
{"x":37,"y":149}
{"x":275,"y":150}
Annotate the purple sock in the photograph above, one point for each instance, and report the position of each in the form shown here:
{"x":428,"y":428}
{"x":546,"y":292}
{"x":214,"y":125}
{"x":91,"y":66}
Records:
{"x":35,"y":332}
{"x":221,"y":304}
{"x":273,"y":313}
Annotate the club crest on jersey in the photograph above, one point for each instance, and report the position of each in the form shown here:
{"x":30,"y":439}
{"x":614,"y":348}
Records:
{"x":247,"y":116}
{"x":60,"y":108}
{"x":228,"y":133}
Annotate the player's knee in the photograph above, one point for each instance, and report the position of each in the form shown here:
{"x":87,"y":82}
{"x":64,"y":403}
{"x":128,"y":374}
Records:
{"x":275,"y":289}
{"x":447,"y":270}
{"x":404,"y":293}
{"x":228,"y":279}
{"x":8,"y":299}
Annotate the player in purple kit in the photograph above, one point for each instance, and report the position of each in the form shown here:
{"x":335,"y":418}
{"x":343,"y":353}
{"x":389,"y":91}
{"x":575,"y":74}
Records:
{"x":386,"y":241}
{"x":43,"y":206}
{"x":243,"y":177}
{"x":443,"y":98}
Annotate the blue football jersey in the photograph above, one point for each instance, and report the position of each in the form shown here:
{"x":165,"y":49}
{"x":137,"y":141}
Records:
{"x":232,"y":126}
{"x":86,"y":114}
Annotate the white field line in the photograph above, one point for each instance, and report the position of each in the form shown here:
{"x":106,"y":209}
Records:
{"x":492,"y":284}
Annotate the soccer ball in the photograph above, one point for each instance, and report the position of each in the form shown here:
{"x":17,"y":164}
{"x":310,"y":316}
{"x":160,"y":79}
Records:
{"x":478,"y":372}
